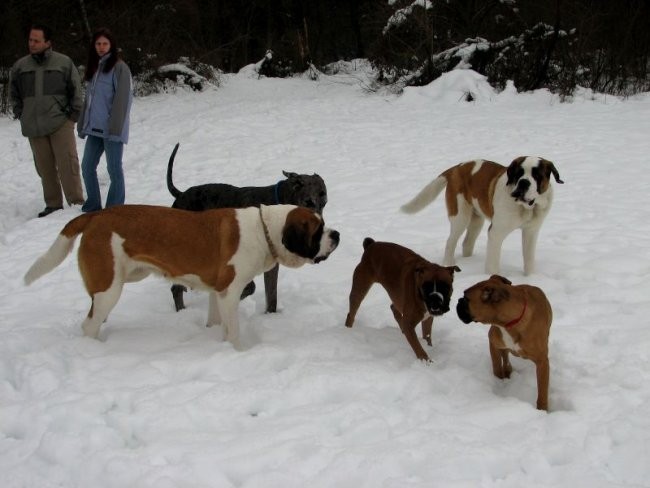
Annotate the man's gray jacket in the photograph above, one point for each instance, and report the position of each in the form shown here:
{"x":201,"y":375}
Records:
{"x":45,"y":91}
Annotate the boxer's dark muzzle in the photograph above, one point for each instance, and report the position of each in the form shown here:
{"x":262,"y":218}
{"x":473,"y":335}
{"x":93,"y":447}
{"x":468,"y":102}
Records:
{"x":462,"y":309}
{"x":436,"y":296}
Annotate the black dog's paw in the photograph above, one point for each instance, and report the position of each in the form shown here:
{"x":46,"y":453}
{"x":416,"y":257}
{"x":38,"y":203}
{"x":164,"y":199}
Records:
{"x":177,"y":294}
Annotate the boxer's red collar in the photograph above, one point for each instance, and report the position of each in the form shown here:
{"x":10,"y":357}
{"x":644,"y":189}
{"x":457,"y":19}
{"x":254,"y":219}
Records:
{"x":514,"y":322}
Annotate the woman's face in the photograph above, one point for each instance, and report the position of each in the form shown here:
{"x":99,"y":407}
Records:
{"x":102,"y":45}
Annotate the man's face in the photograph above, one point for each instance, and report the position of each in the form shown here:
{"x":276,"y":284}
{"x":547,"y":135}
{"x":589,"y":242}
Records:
{"x":37,"y":42}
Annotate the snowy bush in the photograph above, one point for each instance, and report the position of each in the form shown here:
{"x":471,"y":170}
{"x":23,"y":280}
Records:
{"x":185,"y":74}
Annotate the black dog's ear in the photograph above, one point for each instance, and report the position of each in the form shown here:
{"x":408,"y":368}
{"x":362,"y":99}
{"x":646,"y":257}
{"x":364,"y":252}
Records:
{"x":294,"y":179}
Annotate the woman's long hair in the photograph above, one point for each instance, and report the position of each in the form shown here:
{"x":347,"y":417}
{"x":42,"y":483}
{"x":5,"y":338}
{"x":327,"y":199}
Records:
{"x":93,"y":57}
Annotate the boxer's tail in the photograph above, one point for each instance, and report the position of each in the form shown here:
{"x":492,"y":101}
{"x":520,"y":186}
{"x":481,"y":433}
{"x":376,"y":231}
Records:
{"x":427,"y":195}
{"x":367,"y":241}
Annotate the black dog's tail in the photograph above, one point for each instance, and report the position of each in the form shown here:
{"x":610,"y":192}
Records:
{"x":367,"y":241}
{"x":170,"y":185}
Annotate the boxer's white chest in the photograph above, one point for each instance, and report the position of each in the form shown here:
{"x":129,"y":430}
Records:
{"x":507,"y":340}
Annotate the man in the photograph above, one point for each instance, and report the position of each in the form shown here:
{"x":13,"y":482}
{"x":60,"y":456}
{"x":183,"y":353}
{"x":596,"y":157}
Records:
{"x":46,"y":96}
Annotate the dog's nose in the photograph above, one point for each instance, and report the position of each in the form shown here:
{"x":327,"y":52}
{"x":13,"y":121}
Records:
{"x":335,"y":236}
{"x":437,"y":299}
{"x":522,"y":187}
{"x":462,"y":310}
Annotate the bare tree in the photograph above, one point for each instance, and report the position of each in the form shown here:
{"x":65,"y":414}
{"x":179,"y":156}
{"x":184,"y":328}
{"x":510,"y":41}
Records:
{"x":84,"y":17}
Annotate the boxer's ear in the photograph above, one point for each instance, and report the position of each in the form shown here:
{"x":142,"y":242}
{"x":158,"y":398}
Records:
{"x":500,"y":294}
{"x":494,"y":295}
{"x":502,"y":279}
{"x":486,"y":293}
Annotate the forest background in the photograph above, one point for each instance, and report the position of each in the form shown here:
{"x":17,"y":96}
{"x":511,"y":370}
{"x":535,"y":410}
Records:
{"x":555,"y":44}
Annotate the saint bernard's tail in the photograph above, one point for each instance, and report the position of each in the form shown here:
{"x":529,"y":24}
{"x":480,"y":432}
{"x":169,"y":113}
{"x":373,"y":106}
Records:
{"x":427,"y":195}
{"x":59,"y":250}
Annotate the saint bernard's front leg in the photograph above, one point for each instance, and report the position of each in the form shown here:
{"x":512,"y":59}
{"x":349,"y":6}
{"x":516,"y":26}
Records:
{"x":529,"y":245}
{"x":529,"y":234}
{"x":223,"y":310}
{"x":228,"y":306}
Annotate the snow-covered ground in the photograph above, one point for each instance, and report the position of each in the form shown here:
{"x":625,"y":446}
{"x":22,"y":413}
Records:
{"x":160,"y":402}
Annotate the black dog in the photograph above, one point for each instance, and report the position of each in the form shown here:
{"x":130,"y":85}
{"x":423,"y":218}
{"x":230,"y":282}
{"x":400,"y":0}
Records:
{"x":303,"y":190}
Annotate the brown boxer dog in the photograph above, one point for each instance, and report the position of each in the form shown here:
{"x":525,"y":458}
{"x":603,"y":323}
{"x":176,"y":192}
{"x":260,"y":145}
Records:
{"x":521,"y":318}
{"x":418,"y":289}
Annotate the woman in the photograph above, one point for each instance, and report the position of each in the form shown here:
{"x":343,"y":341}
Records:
{"x":105,"y":119}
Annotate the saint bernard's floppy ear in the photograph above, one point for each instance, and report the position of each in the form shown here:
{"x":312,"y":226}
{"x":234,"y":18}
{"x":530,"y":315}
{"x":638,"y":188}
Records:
{"x":302,"y":232}
{"x":550,"y":169}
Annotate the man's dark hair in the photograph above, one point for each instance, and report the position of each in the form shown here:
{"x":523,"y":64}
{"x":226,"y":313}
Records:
{"x":47,"y":32}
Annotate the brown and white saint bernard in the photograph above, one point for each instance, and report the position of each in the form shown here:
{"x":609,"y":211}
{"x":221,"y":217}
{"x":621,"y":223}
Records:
{"x":218,"y":250}
{"x":518,"y":196}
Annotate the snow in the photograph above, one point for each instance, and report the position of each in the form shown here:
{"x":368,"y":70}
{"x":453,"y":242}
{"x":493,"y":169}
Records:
{"x":401,"y":15}
{"x":453,"y":88}
{"x":160,"y":401}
